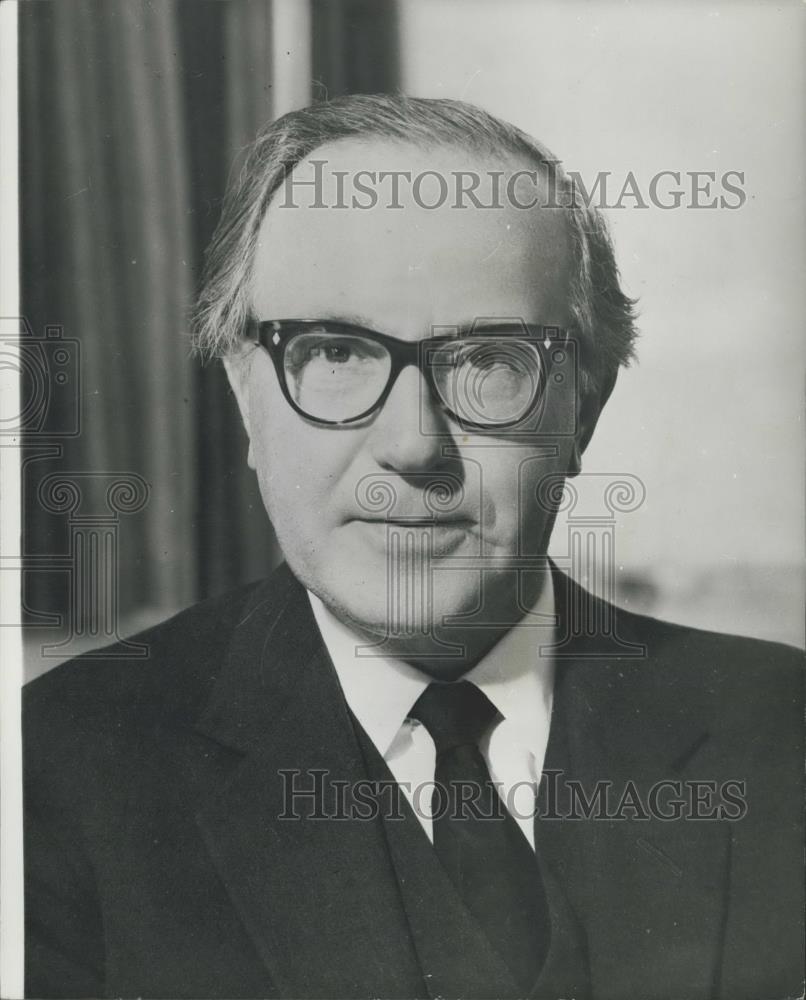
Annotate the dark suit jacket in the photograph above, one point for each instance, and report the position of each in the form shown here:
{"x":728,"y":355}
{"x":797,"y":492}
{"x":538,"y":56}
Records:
{"x":158,"y":862}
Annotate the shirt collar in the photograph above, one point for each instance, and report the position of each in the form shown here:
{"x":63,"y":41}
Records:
{"x":515,"y":675}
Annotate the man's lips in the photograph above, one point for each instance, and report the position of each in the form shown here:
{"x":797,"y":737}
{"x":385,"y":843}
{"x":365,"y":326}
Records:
{"x":444,"y":534}
{"x":419,"y":521}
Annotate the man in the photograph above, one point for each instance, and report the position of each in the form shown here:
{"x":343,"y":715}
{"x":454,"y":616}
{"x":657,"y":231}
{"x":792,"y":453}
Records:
{"x":591,"y":803}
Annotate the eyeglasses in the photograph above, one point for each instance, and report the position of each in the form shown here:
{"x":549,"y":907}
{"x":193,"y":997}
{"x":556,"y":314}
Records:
{"x":491,"y":377}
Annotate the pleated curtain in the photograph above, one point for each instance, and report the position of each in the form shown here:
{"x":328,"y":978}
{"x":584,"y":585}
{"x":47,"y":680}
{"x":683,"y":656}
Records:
{"x":131,"y":114}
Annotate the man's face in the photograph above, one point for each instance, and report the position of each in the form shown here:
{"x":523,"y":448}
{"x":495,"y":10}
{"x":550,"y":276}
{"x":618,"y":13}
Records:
{"x":338,"y":496}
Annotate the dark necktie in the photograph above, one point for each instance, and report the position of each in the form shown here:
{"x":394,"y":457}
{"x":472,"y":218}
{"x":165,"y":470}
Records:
{"x":478,"y":842}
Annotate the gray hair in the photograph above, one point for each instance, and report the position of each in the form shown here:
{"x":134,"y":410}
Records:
{"x":603,"y":316}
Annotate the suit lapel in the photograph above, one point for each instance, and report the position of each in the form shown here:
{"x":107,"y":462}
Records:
{"x":317,"y":895}
{"x":650,"y":893}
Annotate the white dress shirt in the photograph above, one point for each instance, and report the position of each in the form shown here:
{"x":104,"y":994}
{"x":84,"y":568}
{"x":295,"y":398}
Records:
{"x":514,"y":675}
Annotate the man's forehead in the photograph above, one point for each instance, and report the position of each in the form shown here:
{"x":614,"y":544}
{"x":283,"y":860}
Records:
{"x":403,"y":217}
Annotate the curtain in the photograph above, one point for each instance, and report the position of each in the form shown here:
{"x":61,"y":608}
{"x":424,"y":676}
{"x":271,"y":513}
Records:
{"x":355,"y":47}
{"x":131,"y":113}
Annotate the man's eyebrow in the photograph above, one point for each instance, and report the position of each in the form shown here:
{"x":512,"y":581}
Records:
{"x":490,"y":325}
{"x":352,"y":319}
{"x":462,"y":328}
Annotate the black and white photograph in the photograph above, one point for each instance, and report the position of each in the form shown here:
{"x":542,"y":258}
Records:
{"x":403,"y":499}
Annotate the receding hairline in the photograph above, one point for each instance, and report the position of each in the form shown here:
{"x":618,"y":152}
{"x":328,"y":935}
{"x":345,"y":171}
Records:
{"x":313,"y":231}
{"x":484,"y":154}
{"x":507,"y":162}
{"x":543,"y":240}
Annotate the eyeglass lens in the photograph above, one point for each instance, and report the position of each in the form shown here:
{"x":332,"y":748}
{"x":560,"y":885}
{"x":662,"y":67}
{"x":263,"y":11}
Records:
{"x":337,"y":377}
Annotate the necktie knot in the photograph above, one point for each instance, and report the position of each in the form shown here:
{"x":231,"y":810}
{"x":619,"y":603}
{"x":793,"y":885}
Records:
{"x":454,"y":714}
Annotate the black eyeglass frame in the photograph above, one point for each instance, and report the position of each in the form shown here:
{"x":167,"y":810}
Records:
{"x":274,"y":336}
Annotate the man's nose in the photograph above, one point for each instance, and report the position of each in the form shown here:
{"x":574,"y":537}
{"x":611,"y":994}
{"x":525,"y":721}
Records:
{"x":410,"y":431}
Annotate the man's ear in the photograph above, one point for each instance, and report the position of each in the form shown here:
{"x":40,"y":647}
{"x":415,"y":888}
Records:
{"x":589,"y":407}
{"x":237,"y":365}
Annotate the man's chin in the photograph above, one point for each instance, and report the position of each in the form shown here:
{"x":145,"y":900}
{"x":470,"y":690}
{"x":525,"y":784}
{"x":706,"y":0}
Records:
{"x":407,"y":608}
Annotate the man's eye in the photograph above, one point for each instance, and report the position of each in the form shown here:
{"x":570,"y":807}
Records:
{"x":335,"y":353}
{"x":489,"y":360}
{"x":493,"y":358}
